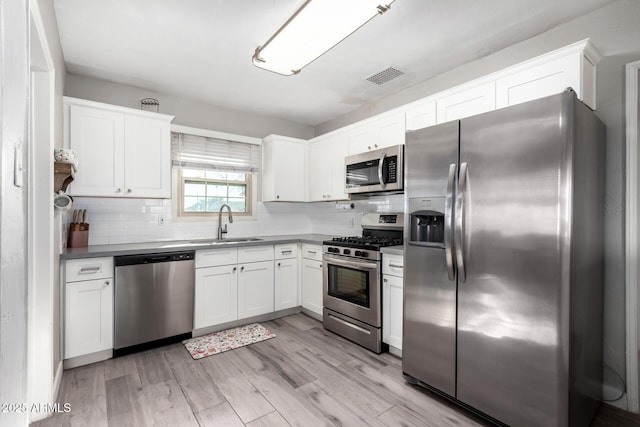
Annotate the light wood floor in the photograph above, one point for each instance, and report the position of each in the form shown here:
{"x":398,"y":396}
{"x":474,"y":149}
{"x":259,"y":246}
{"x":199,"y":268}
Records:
{"x":305,"y":376}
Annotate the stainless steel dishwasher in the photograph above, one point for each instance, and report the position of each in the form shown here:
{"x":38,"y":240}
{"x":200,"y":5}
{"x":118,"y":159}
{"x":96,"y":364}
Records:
{"x":153,"y":299}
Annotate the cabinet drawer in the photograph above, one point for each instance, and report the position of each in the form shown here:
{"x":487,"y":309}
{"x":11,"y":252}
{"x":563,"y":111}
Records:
{"x":88,"y":269}
{"x":312,"y":251}
{"x":286,"y":250}
{"x":255,"y":253}
{"x":216,"y":257}
{"x":392,"y":264}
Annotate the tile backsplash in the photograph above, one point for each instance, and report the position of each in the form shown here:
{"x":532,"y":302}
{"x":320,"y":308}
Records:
{"x":114,"y":221}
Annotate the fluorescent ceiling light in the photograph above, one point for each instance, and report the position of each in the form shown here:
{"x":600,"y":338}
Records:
{"x":315,"y":28}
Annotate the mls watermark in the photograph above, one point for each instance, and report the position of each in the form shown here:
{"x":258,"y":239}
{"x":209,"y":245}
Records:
{"x":36,"y":407}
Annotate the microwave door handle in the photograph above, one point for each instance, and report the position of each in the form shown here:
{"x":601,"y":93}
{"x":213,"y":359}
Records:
{"x":448,"y":223}
{"x":383,"y":185}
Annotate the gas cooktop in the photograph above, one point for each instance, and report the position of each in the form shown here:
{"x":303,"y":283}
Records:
{"x":373,"y":243}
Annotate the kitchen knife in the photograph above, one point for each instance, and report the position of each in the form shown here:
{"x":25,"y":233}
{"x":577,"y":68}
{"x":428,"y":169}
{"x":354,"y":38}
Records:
{"x":75,"y":215}
{"x":84,"y":216}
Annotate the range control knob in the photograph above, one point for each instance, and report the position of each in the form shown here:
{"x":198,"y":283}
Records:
{"x":364,"y":254}
{"x":346,"y":252}
{"x":358,"y":253}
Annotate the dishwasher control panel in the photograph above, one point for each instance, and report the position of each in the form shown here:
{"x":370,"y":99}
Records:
{"x":153,"y":258}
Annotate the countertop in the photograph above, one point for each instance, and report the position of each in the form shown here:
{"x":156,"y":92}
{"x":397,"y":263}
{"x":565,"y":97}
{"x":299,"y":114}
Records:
{"x":181,"y":245}
{"x":393,"y":250}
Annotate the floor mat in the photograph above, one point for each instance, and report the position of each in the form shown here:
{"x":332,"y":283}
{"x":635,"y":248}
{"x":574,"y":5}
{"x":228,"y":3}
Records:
{"x":228,"y":339}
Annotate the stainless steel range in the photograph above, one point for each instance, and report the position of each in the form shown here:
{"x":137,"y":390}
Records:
{"x":352,"y":279}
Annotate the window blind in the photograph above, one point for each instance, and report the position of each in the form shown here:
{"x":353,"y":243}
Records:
{"x":209,"y":153}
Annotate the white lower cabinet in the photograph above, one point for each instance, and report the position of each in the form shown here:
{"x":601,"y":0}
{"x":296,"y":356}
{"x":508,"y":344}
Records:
{"x":255,"y":289}
{"x":392,"y":301}
{"x":312,"y":278}
{"x":216,"y":295}
{"x":233,"y":284}
{"x":88,"y":306}
{"x":286,"y":280}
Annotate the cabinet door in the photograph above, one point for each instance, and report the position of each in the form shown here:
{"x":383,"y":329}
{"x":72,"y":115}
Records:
{"x":389,"y":130}
{"x":319,"y":171}
{"x":392,"y":300}
{"x":312,"y":285}
{"x":283,"y":169}
{"x":88,"y":317}
{"x":338,"y":148}
{"x":216,"y":296}
{"x":361,"y":139}
{"x":466,"y":103}
{"x":97,"y":136}
{"x":147,"y":157}
{"x":421,"y":115}
{"x":537,"y":82}
{"x":286,"y":283}
{"x":255,"y":289}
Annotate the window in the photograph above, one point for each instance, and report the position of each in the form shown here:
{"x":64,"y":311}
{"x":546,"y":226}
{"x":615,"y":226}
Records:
{"x":205,"y":191}
{"x":212,"y":172}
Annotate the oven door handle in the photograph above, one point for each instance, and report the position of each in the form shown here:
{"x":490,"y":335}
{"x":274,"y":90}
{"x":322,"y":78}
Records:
{"x":362,"y":265}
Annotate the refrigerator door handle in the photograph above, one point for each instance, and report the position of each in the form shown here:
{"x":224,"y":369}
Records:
{"x":459,"y":222}
{"x":383,"y":184}
{"x":448,"y":222}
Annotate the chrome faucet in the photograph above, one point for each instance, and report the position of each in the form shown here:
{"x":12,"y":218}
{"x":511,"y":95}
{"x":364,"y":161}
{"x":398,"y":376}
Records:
{"x":221,"y":230}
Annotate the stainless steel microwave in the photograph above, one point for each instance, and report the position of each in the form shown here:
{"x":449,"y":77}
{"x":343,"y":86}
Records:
{"x":375,"y":171}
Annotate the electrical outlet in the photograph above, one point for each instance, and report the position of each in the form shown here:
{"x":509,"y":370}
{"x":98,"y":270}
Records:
{"x":161,"y":220}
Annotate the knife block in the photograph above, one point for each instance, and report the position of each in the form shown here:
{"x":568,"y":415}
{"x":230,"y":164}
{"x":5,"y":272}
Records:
{"x":78,"y":235}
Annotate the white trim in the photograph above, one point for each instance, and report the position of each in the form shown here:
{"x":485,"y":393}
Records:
{"x":215,"y":134}
{"x":40,"y":235}
{"x":631,"y":225}
{"x":126,"y":110}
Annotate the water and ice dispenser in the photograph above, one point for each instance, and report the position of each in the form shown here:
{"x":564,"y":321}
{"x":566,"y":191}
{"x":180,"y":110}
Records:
{"x":426,"y":220}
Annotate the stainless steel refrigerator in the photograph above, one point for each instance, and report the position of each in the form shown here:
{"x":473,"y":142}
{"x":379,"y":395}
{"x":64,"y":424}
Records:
{"x":504,"y":262}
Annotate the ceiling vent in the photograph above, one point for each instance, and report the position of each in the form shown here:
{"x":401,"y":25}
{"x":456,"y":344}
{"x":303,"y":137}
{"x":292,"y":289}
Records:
{"x":385,"y":75}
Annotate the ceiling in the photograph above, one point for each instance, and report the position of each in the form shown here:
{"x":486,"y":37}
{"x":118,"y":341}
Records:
{"x":201,"y":49}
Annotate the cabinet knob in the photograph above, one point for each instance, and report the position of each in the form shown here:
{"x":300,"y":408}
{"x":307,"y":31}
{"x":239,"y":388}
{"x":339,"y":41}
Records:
{"x":277,"y":197}
{"x":278,"y":264}
{"x":106,"y":283}
{"x":320,"y":265}
{"x":234,"y":269}
{"x":369,"y":147}
{"x":128,"y":190}
{"x":242,"y":268}
{"x":385,"y":280}
{"x":118,"y":190}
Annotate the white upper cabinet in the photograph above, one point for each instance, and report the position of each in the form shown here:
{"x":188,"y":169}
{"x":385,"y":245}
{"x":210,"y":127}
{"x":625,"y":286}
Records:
{"x":283,"y":169}
{"x":421,"y":115}
{"x":121,"y":152}
{"x":575,"y":70}
{"x":381,"y":131}
{"x":147,"y":157}
{"x":326,"y":171}
{"x":467,"y":102}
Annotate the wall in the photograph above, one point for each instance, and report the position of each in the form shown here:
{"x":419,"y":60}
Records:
{"x":115,"y":221}
{"x":14,"y":95}
{"x":188,"y":112}
{"x":615,"y":32}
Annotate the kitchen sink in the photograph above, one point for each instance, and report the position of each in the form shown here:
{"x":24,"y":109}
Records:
{"x":211,"y":242}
